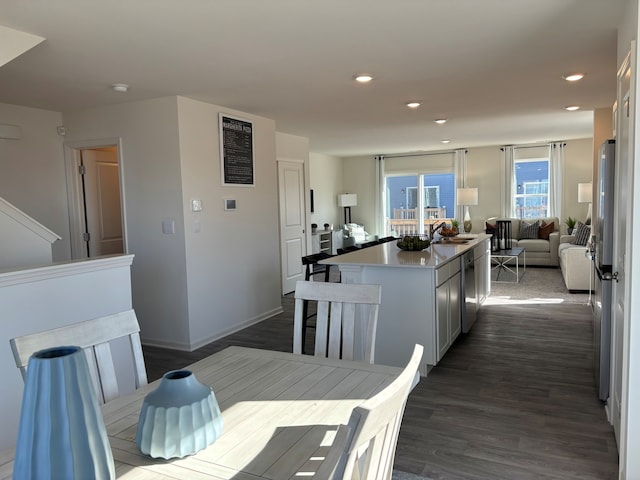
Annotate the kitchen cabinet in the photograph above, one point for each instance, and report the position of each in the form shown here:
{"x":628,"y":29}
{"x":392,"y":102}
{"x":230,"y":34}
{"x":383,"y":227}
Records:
{"x":448,"y":313}
{"x":482,"y":260}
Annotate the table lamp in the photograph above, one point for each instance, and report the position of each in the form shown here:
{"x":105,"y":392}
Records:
{"x":347,"y":200}
{"x":584,"y":196}
{"x":466,"y":197}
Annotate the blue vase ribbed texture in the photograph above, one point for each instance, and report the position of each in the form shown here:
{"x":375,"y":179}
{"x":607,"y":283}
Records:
{"x":61,"y":432}
{"x":179,"y":418}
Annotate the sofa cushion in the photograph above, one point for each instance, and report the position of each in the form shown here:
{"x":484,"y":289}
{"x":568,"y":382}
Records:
{"x":534,"y":245}
{"x":529,"y":230}
{"x":582,"y":234}
{"x":545,"y":229}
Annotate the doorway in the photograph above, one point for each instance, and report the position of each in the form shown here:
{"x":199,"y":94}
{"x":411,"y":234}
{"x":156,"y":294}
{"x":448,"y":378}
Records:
{"x":95,"y":196}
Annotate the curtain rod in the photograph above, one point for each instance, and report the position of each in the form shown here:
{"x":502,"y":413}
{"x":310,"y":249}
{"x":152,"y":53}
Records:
{"x":540,"y":145}
{"x":402,"y":155}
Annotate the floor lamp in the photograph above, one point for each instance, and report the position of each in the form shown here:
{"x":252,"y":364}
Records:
{"x":347,"y":200}
{"x":466,"y":197}
{"x":584,"y":196}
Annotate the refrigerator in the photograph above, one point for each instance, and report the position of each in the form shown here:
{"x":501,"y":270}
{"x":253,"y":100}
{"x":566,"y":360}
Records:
{"x":602,"y":248}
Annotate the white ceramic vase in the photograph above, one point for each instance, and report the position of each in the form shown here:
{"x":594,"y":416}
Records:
{"x":179,"y":418}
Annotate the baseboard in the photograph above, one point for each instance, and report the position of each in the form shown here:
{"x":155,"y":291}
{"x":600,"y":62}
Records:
{"x":217,"y":336}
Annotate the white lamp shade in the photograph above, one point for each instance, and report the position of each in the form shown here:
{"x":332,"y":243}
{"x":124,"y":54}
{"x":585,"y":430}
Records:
{"x":584,"y":193}
{"x":467,"y":196}
{"x":347,"y":200}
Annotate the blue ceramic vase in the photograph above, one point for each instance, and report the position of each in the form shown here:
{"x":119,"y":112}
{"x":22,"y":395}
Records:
{"x":61,"y":432}
{"x":179,"y":418}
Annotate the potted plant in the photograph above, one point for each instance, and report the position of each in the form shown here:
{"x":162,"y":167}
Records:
{"x":571,"y":223}
{"x":314,"y":227}
{"x":455,"y":224}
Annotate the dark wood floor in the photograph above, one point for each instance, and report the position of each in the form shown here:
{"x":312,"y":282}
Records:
{"x":514,"y":399}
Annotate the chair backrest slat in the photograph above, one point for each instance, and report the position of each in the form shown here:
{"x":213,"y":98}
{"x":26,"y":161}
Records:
{"x":338,"y":306}
{"x":94,"y":336}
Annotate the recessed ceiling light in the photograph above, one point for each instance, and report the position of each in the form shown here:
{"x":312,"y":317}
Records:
{"x":574,"y":77}
{"x":120,"y":87}
{"x":440,"y":121}
{"x":446,"y":140}
{"x":572,"y":108}
{"x":413,"y":104}
{"x":363,"y":78}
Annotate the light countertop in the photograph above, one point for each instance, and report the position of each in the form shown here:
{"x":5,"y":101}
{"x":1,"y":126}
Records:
{"x":389,"y":255}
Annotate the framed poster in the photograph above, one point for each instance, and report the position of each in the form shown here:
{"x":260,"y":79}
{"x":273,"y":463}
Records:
{"x":236,"y":151}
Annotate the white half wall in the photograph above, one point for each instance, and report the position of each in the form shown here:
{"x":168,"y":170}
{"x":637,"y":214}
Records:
{"x":38,"y":299}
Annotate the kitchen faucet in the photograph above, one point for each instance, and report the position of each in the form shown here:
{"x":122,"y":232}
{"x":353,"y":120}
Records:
{"x":433,"y":228}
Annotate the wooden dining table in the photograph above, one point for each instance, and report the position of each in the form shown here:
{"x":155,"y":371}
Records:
{"x":280,"y":412}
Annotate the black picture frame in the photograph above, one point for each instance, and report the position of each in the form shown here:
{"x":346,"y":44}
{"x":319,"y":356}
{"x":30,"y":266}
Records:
{"x":311,"y":200}
{"x":236,"y":151}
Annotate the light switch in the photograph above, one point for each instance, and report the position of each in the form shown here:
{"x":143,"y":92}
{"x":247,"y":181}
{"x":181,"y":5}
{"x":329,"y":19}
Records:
{"x":168,"y":226}
{"x":196,"y":205}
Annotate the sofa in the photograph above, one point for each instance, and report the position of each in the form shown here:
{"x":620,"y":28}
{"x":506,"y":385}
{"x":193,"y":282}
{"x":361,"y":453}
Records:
{"x":355,"y":234}
{"x":538,"y":251}
{"x":576,"y":264}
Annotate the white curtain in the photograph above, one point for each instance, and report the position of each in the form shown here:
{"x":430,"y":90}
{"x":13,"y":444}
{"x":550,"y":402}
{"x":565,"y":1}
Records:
{"x":380,"y":198}
{"x":508,"y":182}
{"x":460,"y":165}
{"x":556,"y":167}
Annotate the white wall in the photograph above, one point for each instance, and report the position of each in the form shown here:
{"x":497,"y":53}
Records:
{"x":483,"y":172}
{"x":152,"y":189}
{"x":32,"y":175}
{"x":359,"y":176}
{"x":232,"y":257}
{"x":325,"y":173}
{"x":191,"y":287}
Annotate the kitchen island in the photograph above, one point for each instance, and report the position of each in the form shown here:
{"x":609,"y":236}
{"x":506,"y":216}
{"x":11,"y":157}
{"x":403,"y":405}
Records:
{"x":422,"y":294}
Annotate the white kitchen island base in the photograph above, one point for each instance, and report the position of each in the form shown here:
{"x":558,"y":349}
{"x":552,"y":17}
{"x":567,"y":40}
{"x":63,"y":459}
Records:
{"x":421,"y":295}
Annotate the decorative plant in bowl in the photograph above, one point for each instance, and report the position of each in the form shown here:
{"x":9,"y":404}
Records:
{"x":571,"y":223}
{"x":448,"y":232}
{"x":413,"y":243}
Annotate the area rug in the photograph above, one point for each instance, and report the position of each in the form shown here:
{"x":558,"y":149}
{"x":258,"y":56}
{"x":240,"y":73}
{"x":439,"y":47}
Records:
{"x":537,"y":285}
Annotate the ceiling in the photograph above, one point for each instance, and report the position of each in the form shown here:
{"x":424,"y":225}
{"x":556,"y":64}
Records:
{"x":493,"y":68}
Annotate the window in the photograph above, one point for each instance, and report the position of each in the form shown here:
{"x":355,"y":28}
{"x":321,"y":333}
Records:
{"x":531,"y":195}
{"x":406,"y":214}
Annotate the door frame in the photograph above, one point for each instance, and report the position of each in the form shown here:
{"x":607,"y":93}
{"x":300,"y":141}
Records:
{"x":75,"y":200}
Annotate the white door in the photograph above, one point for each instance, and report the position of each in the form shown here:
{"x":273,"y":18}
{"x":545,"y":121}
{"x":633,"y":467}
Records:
{"x":621,"y":201}
{"x":292,"y":223}
{"x":101,"y":182}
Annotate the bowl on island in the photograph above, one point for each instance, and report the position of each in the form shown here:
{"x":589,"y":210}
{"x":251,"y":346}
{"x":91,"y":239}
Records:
{"x":413,"y":243}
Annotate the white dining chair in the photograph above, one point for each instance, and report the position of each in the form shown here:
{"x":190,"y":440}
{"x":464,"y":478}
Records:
{"x":337,"y":330}
{"x":365,"y":448}
{"x":94,"y":337}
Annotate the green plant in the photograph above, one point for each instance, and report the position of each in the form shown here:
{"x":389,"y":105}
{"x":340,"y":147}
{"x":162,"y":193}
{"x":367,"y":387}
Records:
{"x":455,"y":223}
{"x":570,"y":222}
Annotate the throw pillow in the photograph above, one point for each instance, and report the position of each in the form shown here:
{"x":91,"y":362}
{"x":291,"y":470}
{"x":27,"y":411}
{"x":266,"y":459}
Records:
{"x":583,"y":233}
{"x":545,"y":230}
{"x":490,"y":227}
{"x":529,"y":230}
